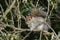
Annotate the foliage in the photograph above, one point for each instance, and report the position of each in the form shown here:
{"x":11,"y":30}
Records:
{"x":13,"y":26}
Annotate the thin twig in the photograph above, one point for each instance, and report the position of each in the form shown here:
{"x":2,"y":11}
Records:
{"x":40,"y":35}
{"x":8,"y":9}
{"x":26,"y":35}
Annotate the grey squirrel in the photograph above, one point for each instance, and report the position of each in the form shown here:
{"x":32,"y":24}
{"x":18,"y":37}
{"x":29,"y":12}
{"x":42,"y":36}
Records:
{"x":36,"y":20}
